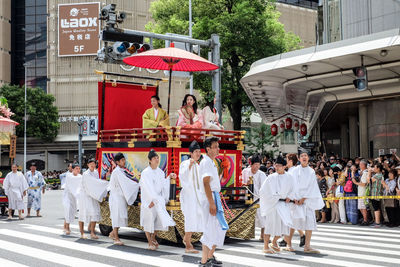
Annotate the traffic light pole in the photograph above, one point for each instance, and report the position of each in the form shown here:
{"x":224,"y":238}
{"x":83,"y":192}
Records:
{"x":212,"y":44}
{"x":80,"y":125}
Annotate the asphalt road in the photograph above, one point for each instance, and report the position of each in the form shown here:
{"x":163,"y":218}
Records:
{"x":40,"y":242}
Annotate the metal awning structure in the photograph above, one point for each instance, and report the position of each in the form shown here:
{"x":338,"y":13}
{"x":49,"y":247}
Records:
{"x":301,"y":82}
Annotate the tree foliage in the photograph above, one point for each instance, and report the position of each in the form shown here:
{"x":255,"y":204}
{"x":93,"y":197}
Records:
{"x":42,"y":114}
{"x":249,"y":30}
{"x":257,"y":139}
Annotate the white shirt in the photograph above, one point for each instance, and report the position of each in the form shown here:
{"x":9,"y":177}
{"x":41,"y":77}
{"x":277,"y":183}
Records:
{"x":155,"y":112}
{"x":208,"y":168}
{"x":362,"y":189}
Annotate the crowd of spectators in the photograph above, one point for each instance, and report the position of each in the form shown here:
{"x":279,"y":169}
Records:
{"x":346,"y":177}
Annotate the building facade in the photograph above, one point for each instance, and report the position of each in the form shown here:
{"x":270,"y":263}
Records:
{"x":317,"y":83}
{"x":5,"y":41}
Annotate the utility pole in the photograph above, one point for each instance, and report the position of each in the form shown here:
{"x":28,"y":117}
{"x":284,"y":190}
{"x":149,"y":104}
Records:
{"x":80,"y":126}
{"x":190,"y":35}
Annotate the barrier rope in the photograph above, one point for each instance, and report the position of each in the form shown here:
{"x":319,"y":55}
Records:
{"x":362,"y":197}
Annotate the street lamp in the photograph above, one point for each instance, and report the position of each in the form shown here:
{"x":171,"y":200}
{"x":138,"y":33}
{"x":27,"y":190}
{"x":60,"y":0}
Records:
{"x":25,"y":118}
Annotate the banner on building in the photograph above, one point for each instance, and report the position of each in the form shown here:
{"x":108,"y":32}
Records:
{"x":78,"y":29}
{"x":13,"y":146}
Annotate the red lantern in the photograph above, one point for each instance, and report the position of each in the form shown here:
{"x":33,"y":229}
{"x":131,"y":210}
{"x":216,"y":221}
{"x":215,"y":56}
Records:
{"x":281,"y":126}
{"x":274,"y":129}
{"x":296,"y":125}
{"x":288,"y":123}
{"x":303,"y":129}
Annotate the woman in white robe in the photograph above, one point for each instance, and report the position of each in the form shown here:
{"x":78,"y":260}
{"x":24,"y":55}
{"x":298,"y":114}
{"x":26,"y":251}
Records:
{"x":70,"y":197}
{"x":210,"y":113}
{"x":309,"y":200}
{"x":15,"y":187}
{"x":123,"y":192}
{"x":275,"y":195}
{"x":93,"y":190}
{"x":154,"y":195}
{"x":190,"y":196}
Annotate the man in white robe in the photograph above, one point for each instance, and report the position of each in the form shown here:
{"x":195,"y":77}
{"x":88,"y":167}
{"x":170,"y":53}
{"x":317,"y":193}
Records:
{"x":15,"y":187}
{"x":308,"y":200}
{"x":190,"y":196}
{"x":37,"y":187}
{"x":275,"y":194}
{"x":63,"y":176}
{"x":258,"y":177}
{"x":72,"y":188}
{"x":154,"y":195}
{"x":213,"y":235}
{"x":123,"y":192}
{"x":292,"y":161}
{"x":93,"y":190}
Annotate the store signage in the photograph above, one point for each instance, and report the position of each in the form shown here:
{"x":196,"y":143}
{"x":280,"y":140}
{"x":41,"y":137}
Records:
{"x":78,"y":29}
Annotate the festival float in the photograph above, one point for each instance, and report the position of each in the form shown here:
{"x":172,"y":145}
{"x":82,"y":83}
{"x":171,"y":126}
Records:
{"x":121,"y":105}
{"x":7,"y":138}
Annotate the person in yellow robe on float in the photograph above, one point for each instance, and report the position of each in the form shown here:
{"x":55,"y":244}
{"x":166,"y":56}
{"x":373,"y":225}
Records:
{"x":155,"y":117}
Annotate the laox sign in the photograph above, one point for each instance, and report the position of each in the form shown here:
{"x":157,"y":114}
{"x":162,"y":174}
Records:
{"x":79,"y":23}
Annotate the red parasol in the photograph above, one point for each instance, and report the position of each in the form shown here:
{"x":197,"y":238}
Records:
{"x":172,"y":59}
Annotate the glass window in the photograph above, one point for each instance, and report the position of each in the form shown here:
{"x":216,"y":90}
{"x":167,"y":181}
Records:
{"x":40,"y":19}
{"x":41,"y":10}
{"x":30,"y":10}
{"x":41,"y":71}
{"x":41,"y":62}
{"x":30,"y":19}
{"x":41,"y":27}
{"x":29,"y":2}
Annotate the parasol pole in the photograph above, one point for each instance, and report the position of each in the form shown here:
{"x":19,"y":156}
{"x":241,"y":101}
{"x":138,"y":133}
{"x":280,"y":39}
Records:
{"x":169,"y":87}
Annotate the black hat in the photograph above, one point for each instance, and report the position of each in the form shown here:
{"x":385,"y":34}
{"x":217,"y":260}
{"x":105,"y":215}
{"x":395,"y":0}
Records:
{"x":152,"y":154}
{"x":193,"y":146}
{"x":118,"y":156}
{"x":74,"y":165}
{"x":92,"y":160}
{"x":281,"y":161}
{"x":255,"y":159}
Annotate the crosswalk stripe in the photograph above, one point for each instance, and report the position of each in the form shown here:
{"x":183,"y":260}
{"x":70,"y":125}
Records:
{"x":353,"y":240}
{"x":347,"y":231}
{"x":350,"y":255}
{"x":355,"y":248}
{"x":9,"y":263}
{"x":359,"y":228}
{"x":180,"y":251}
{"x":134,"y":257}
{"x":46,"y":255}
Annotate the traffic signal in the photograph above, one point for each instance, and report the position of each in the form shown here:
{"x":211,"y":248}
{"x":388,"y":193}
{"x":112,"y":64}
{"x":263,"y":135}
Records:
{"x":116,"y":52}
{"x":361,"y":81}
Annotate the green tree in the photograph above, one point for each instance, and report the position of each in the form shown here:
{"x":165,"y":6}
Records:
{"x":249,"y":30}
{"x":258,"y":138}
{"x":42,"y":114}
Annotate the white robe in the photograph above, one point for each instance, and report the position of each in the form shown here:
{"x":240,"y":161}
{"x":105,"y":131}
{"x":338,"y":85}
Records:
{"x":191,"y":197}
{"x":70,"y":196}
{"x":258,"y":179}
{"x":306,"y":187}
{"x":93,"y":190}
{"x":154,"y":187}
{"x":276,"y":213}
{"x":123,"y":192}
{"x":213,"y":235}
{"x":14,"y":186}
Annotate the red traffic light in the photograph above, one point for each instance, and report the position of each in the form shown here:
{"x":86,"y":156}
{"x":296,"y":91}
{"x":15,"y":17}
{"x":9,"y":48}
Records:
{"x":144,"y":48}
{"x":360,"y":71}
